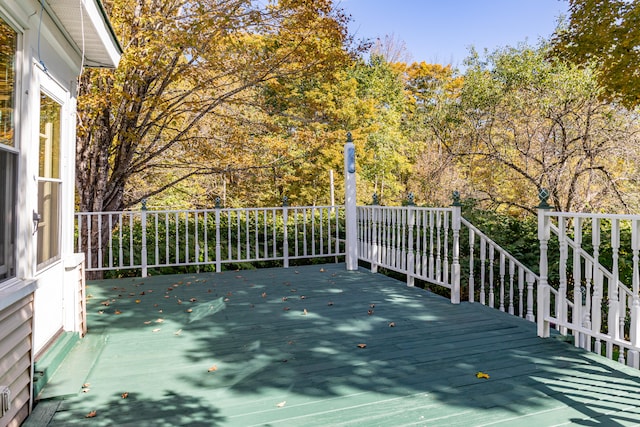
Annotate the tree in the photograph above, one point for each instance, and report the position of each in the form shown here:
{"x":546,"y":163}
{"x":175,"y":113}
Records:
{"x":384,"y":157}
{"x":523,"y":123}
{"x":186,"y":95}
{"x":605,"y":34}
{"x":431,"y":88}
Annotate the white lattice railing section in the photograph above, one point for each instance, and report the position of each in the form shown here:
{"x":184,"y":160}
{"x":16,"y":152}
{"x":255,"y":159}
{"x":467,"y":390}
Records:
{"x":496,"y":278}
{"x":597,"y":254}
{"x":154,"y":239}
{"x":426,"y":244}
{"x":414,"y":241}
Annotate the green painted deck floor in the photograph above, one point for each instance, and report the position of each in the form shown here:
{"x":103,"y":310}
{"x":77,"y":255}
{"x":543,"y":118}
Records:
{"x":280,"y":347}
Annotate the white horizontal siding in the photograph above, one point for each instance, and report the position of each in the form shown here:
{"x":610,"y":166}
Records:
{"x":15,"y":358}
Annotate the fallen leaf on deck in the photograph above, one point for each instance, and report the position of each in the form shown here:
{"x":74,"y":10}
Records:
{"x":286,"y":309}
{"x":137,"y":301}
{"x":362,"y":346}
{"x":264,"y":295}
{"x":148,"y":322}
{"x":305,"y":312}
{"x":284,"y":298}
{"x":370,"y":312}
{"x":179,"y":301}
{"x":124,"y":395}
{"x":322,"y":270}
{"x":86,"y":390}
{"x":226,"y":300}
{"x":482,"y":375}
{"x":392,"y":324}
{"x":156,"y":330}
{"x":142,"y":293}
{"x":193,"y":299}
{"x":118,"y":312}
{"x":159,"y":320}
{"x":303,"y":297}
{"x":86,"y":385}
{"x":100,"y":311}
{"x":281,"y":404}
{"x":330,"y":303}
{"x":372,"y":305}
{"x":105,"y":303}
{"x":91,"y":414}
{"x":213,"y":368}
{"x":189,"y":310}
{"x":178,"y":332}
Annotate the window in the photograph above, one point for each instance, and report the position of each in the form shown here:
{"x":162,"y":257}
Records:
{"x":8,"y":154}
{"x":49,"y":182}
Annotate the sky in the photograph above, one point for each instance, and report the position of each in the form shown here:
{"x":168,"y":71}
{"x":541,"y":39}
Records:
{"x":441,"y":31}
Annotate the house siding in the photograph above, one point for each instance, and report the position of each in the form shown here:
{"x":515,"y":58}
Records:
{"x":15,"y":358}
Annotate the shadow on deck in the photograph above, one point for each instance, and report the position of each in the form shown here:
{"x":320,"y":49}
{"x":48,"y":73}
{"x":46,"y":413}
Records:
{"x":280,"y":347}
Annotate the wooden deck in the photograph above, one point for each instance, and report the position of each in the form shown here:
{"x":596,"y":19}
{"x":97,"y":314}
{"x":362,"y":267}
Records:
{"x":280,"y":347}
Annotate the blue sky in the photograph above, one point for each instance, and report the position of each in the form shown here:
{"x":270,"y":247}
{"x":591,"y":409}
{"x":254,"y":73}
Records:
{"x":440,"y":31}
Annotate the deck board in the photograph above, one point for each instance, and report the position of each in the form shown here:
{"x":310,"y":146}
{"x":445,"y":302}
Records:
{"x":159,"y":337}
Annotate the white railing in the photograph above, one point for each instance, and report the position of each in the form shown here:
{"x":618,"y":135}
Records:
{"x":598,"y":253}
{"x":144,"y":239}
{"x":498,"y":279}
{"x":418,"y":242}
{"x":425,"y":244}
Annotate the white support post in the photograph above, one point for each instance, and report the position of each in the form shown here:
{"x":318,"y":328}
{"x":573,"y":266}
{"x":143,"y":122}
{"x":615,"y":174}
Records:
{"x":455,"y":264}
{"x":633,"y":358}
{"x":544,"y":298}
{"x":351,"y":257}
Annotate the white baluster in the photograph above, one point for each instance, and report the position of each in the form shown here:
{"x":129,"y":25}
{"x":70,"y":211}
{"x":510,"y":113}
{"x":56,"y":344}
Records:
{"x":520,"y":291}
{"x":483,"y":257}
{"x":438,"y":246}
{"x":445,"y":260}
{"x":614,"y":306}
{"x":472,"y":290}
{"x":502,"y":273}
{"x":511,"y":274}
{"x":431,"y":248}
{"x":410,"y":263}
{"x":530,"y":280}
{"x":588,"y":283}
{"x":576,"y":313}
{"x":491,"y":283}
{"x":561,"y":303}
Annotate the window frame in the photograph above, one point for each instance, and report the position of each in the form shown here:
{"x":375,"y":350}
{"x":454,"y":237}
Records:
{"x":9,"y":234}
{"x":54,"y":93}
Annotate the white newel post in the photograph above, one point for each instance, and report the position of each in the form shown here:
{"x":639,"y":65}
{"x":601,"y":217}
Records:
{"x":351,"y":257}
{"x":633,"y":358}
{"x":544,"y":297}
{"x":455,"y":262}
